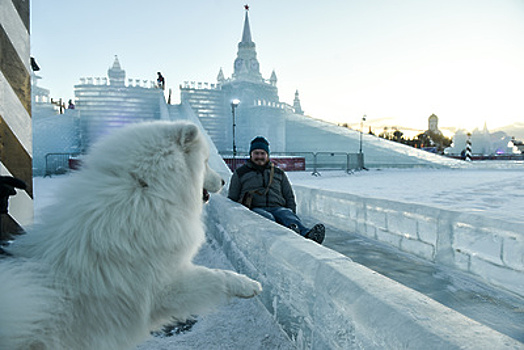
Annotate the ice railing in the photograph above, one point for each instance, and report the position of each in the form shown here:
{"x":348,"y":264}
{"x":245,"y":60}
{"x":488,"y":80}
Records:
{"x":273,"y":104}
{"x":199,"y":85}
{"x":103,"y":81}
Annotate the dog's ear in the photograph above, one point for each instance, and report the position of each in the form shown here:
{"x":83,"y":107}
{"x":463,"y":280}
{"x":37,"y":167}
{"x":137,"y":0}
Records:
{"x":189,"y":133}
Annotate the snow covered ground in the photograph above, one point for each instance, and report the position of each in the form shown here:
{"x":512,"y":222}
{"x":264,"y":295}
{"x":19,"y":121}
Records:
{"x":491,"y":189}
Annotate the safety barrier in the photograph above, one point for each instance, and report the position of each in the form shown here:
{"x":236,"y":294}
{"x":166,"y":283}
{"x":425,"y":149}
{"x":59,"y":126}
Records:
{"x":59,"y":163}
{"x":314,"y":161}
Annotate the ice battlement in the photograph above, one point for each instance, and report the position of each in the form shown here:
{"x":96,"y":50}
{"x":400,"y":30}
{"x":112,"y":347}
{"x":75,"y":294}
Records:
{"x":198,"y":85}
{"x":103,"y":81}
{"x":273,"y":104}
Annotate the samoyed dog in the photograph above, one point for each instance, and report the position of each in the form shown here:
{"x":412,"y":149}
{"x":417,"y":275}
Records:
{"x":112,"y":260}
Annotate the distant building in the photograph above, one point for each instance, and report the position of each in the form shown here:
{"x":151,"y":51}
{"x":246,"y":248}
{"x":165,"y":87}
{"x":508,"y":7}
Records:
{"x":483,"y":143}
{"x":433,"y":137}
{"x":433,"y":125}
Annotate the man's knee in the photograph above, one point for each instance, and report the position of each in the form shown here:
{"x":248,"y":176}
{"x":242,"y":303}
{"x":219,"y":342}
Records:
{"x":283,"y":209}
{"x":284,"y":212}
{"x":264,"y":213}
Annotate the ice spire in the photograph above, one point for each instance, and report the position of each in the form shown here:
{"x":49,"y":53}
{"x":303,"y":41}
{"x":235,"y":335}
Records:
{"x":246,"y":66}
{"x":220,"y":77}
{"x":273,"y":78}
{"x":246,"y":34}
{"x":116,"y":74}
{"x":296,"y":104}
{"x":116,"y":64}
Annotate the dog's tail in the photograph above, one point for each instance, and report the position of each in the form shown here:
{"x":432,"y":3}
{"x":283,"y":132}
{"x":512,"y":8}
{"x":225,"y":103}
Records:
{"x":27,"y":307}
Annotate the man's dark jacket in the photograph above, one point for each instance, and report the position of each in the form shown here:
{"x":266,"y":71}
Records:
{"x":254,"y":177}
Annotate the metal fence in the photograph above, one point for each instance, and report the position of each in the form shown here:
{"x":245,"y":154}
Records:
{"x":316,"y":161}
{"x":58,"y":163}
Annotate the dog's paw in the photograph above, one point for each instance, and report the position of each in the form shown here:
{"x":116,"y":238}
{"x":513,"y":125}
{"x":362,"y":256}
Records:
{"x":244,"y":287}
{"x":253,"y":289}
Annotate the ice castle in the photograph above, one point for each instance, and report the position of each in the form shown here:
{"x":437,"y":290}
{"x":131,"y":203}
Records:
{"x":105,"y":103}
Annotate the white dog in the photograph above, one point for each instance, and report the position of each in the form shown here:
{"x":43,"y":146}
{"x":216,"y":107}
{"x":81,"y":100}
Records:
{"x":113,"y":258}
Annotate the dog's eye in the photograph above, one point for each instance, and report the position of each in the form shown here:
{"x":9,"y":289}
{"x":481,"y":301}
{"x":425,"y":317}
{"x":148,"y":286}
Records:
{"x":140,"y":181}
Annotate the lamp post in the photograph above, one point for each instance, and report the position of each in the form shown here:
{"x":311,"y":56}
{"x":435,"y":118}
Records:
{"x":234,"y":104}
{"x":361,"y":127}
{"x":360,"y":154}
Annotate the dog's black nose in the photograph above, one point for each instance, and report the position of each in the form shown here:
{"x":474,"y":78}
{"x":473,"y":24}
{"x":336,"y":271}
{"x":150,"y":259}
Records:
{"x":223,"y":182}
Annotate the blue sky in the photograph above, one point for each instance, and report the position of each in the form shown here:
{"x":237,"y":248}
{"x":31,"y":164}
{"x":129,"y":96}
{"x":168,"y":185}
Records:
{"x":395,"y":61}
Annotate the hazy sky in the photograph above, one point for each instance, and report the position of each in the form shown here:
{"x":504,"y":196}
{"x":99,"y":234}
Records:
{"x":395,"y":60}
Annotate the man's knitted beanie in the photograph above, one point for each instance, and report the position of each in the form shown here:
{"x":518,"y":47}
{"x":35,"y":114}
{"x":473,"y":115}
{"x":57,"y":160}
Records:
{"x":259,"y":143}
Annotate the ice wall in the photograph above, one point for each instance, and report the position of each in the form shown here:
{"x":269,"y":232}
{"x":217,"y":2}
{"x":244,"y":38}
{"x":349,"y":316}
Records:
{"x":323,"y":300}
{"x":488,"y":248}
{"x":54,"y":133}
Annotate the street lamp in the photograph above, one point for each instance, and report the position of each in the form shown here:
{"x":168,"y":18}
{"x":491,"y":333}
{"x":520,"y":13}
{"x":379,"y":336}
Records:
{"x":361,"y":127}
{"x":360,"y":154}
{"x":234,"y":104}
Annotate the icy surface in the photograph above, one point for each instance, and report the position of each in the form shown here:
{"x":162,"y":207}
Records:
{"x":240,"y":324}
{"x":246,"y":325}
{"x":497,"y":193}
{"x":326,"y":301}
{"x":54,"y":133}
{"x":490,"y":306}
{"x":469,"y":220}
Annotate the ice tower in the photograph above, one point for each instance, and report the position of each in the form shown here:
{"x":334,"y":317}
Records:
{"x":260,"y":111}
{"x":246,"y":64}
{"x":116,"y":74}
{"x":296,"y":104}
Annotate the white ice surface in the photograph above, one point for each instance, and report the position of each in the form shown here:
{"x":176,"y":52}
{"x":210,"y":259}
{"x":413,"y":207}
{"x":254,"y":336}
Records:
{"x":484,"y":190}
{"x":245,"y":324}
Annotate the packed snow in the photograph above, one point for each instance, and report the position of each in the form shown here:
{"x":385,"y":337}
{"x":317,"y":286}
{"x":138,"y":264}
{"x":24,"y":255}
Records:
{"x":487,"y":189}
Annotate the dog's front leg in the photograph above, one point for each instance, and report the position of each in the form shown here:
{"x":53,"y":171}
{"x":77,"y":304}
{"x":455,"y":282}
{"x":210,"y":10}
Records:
{"x":198,"y":289}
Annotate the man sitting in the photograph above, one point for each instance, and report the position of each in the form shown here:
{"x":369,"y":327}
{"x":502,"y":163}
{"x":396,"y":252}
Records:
{"x":266,"y":190}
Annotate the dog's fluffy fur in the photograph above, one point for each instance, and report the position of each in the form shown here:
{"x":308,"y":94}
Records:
{"x":112,"y":259}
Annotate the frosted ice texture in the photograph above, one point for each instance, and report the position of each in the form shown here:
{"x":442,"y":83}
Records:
{"x":55,"y":133}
